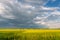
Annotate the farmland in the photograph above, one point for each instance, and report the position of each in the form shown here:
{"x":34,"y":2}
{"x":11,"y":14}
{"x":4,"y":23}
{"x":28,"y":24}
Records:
{"x":29,"y":34}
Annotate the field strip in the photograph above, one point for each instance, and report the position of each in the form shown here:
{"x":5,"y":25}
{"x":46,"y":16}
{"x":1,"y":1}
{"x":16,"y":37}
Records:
{"x":33,"y":31}
{"x":28,"y":30}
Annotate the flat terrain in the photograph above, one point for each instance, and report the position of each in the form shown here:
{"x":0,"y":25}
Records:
{"x":29,"y":34}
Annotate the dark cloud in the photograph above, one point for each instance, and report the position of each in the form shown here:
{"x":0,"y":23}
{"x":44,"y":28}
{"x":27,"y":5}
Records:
{"x":21,"y":13}
{"x":16,"y":14}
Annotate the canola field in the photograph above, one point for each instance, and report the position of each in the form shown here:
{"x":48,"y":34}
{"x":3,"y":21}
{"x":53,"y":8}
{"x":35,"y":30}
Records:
{"x":29,"y":34}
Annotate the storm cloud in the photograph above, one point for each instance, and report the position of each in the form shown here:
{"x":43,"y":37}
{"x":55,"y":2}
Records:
{"x":27,"y":14}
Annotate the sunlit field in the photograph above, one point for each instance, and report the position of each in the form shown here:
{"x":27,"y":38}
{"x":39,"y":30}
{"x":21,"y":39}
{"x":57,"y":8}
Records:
{"x":29,"y":34}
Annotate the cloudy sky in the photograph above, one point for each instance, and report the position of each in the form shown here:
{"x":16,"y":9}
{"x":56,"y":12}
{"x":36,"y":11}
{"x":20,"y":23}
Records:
{"x":30,"y":13}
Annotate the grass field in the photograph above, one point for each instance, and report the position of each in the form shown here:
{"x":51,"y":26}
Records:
{"x":29,"y":34}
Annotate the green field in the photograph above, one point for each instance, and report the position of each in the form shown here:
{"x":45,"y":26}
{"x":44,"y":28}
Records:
{"x":29,"y":34}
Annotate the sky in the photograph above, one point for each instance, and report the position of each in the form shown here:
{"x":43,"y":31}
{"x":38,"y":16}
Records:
{"x":30,"y":13}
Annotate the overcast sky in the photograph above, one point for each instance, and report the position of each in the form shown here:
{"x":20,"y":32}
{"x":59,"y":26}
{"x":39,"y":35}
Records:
{"x":30,"y":13}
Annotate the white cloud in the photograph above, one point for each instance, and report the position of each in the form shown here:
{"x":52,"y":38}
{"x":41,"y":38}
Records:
{"x":26,"y":6}
{"x":39,"y":20}
{"x":56,"y":12}
{"x":5,"y":13}
{"x":49,"y":8}
{"x":52,"y":24}
{"x":1,"y":8}
{"x":44,"y":20}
